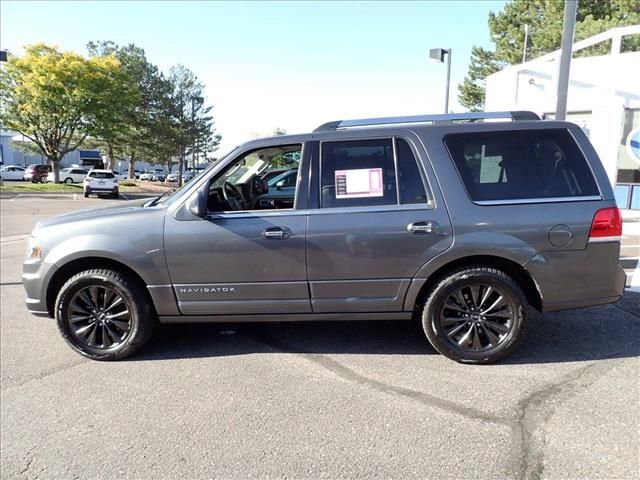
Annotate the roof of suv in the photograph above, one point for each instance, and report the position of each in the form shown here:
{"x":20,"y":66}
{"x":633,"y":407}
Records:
{"x":453,"y":119}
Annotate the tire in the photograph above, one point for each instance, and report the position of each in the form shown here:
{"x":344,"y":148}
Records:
{"x":95,"y":331}
{"x":68,"y":180}
{"x":493,"y":327}
{"x":115,"y":194}
{"x":86,"y":194}
{"x":43,"y":179}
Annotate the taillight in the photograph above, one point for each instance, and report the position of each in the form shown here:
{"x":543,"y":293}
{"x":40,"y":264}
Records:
{"x":606,"y":225}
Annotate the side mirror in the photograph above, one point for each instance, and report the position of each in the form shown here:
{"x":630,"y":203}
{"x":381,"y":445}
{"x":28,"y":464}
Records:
{"x":197,"y":204}
{"x":279,"y":185}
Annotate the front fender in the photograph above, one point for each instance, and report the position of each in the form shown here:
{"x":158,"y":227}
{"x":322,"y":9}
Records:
{"x":149,"y":264}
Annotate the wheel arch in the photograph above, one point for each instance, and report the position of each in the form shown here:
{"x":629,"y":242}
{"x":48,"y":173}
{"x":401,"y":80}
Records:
{"x":520,"y":274}
{"x":69,"y":269}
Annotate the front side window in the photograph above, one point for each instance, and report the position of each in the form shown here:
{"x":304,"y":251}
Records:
{"x":514,"y":165}
{"x":243,"y":185}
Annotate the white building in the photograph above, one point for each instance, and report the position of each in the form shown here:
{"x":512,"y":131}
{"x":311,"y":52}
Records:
{"x":603,"y":98}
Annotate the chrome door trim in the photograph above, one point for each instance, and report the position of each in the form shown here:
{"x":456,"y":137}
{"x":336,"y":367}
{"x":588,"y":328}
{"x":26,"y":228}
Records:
{"x":516,"y":201}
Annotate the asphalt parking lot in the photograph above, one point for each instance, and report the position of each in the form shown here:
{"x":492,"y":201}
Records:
{"x":329,"y":400}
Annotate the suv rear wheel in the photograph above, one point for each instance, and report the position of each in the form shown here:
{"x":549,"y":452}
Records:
{"x":475,"y":315}
{"x":104,"y":314}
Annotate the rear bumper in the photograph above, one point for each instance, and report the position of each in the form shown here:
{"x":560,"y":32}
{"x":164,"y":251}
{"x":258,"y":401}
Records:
{"x":578,"y":278}
{"x":100,"y":189}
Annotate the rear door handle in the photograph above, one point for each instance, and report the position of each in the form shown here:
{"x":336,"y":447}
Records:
{"x":275,"y":233}
{"x":422,"y":227}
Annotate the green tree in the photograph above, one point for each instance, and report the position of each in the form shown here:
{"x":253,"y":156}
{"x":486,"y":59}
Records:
{"x":56,"y":99}
{"x":544,"y":18}
{"x":138,"y":130}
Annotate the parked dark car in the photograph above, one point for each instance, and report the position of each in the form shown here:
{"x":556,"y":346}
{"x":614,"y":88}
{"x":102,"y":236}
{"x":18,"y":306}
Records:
{"x":37,"y":173}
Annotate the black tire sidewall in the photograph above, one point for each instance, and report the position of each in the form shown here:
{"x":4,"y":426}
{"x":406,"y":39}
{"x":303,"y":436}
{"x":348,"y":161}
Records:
{"x":111,"y":280}
{"x":434,"y":304}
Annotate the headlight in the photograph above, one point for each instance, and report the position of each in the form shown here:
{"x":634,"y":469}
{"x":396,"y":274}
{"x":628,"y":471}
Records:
{"x":34,"y":249}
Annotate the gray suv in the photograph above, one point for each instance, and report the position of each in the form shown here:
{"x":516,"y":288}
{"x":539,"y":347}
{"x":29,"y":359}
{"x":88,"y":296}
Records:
{"x":466,"y":222}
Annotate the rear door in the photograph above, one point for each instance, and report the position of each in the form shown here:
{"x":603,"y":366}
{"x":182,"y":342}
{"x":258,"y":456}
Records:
{"x":375,"y":221}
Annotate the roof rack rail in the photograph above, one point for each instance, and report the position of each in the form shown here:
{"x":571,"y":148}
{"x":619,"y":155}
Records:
{"x":432,"y":119}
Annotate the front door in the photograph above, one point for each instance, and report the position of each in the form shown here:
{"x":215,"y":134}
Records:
{"x":376,"y":223}
{"x":243,"y":257}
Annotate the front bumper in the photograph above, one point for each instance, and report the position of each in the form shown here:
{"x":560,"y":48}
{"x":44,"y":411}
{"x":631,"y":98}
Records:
{"x":35,"y":278}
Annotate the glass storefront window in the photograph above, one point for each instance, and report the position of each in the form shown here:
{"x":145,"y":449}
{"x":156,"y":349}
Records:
{"x":628,"y":168}
{"x":622,"y":195}
{"x":635,"y":197}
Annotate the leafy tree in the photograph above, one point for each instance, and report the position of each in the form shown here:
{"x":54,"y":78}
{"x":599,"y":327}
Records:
{"x":56,"y":99}
{"x":138,"y":129}
{"x":544,"y":18}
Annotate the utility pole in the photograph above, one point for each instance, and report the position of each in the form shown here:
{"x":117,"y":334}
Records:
{"x":570,"y":8}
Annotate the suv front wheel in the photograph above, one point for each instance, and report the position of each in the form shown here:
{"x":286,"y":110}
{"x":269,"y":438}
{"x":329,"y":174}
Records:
{"x":475,"y":315}
{"x":104,"y":314}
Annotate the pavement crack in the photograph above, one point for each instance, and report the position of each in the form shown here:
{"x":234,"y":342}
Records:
{"x":26,"y":467}
{"x":10,"y":284}
{"x":635,"y":315}
{"x":352,"y":376}
{"x":537,"y":408}
{"x":47,"y":373}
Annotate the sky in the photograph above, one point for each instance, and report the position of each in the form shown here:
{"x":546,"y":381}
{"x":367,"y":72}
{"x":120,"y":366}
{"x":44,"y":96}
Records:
{"x":291,"y":65}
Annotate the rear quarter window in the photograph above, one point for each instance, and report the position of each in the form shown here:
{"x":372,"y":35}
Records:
{"x":521,"y":165}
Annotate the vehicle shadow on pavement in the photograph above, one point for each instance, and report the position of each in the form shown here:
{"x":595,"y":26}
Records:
{"x":610,"y":331}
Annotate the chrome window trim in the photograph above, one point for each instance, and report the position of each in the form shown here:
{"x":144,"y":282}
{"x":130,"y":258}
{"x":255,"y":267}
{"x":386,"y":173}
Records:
{"x":320,"y":211}
{"x":372,"y":209}
{"x":517,"y":201}
{"x":254,"y":213}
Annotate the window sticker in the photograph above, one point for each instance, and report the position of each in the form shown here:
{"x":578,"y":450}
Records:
{"x":360,"y":183}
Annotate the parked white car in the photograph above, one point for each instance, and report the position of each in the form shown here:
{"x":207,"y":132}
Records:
{"x":148,"y":175}
{"x":12,"y":172}
{"x":101,"y":181}
{"x":70,"y":175}
{"x":121,"y":175}
{"x":172,"y":178}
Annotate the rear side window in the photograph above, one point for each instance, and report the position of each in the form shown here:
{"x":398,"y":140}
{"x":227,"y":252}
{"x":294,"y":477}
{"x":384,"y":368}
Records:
{"x":410,"y":182}
{"x":358,"y":173}
{"x":101,"y":175}
{"x":517,"y":165}
{"x":363,"y":173}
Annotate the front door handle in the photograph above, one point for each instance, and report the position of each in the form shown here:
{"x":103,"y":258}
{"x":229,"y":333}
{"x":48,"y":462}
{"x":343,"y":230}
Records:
{"x":275,"y":233}
{"x":422,"y":227}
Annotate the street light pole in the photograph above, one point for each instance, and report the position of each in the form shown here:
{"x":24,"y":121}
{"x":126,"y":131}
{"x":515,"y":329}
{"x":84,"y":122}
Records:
{"x":570,"y":7}
{"x":438,"y":54}
{"x":446,"y":95}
